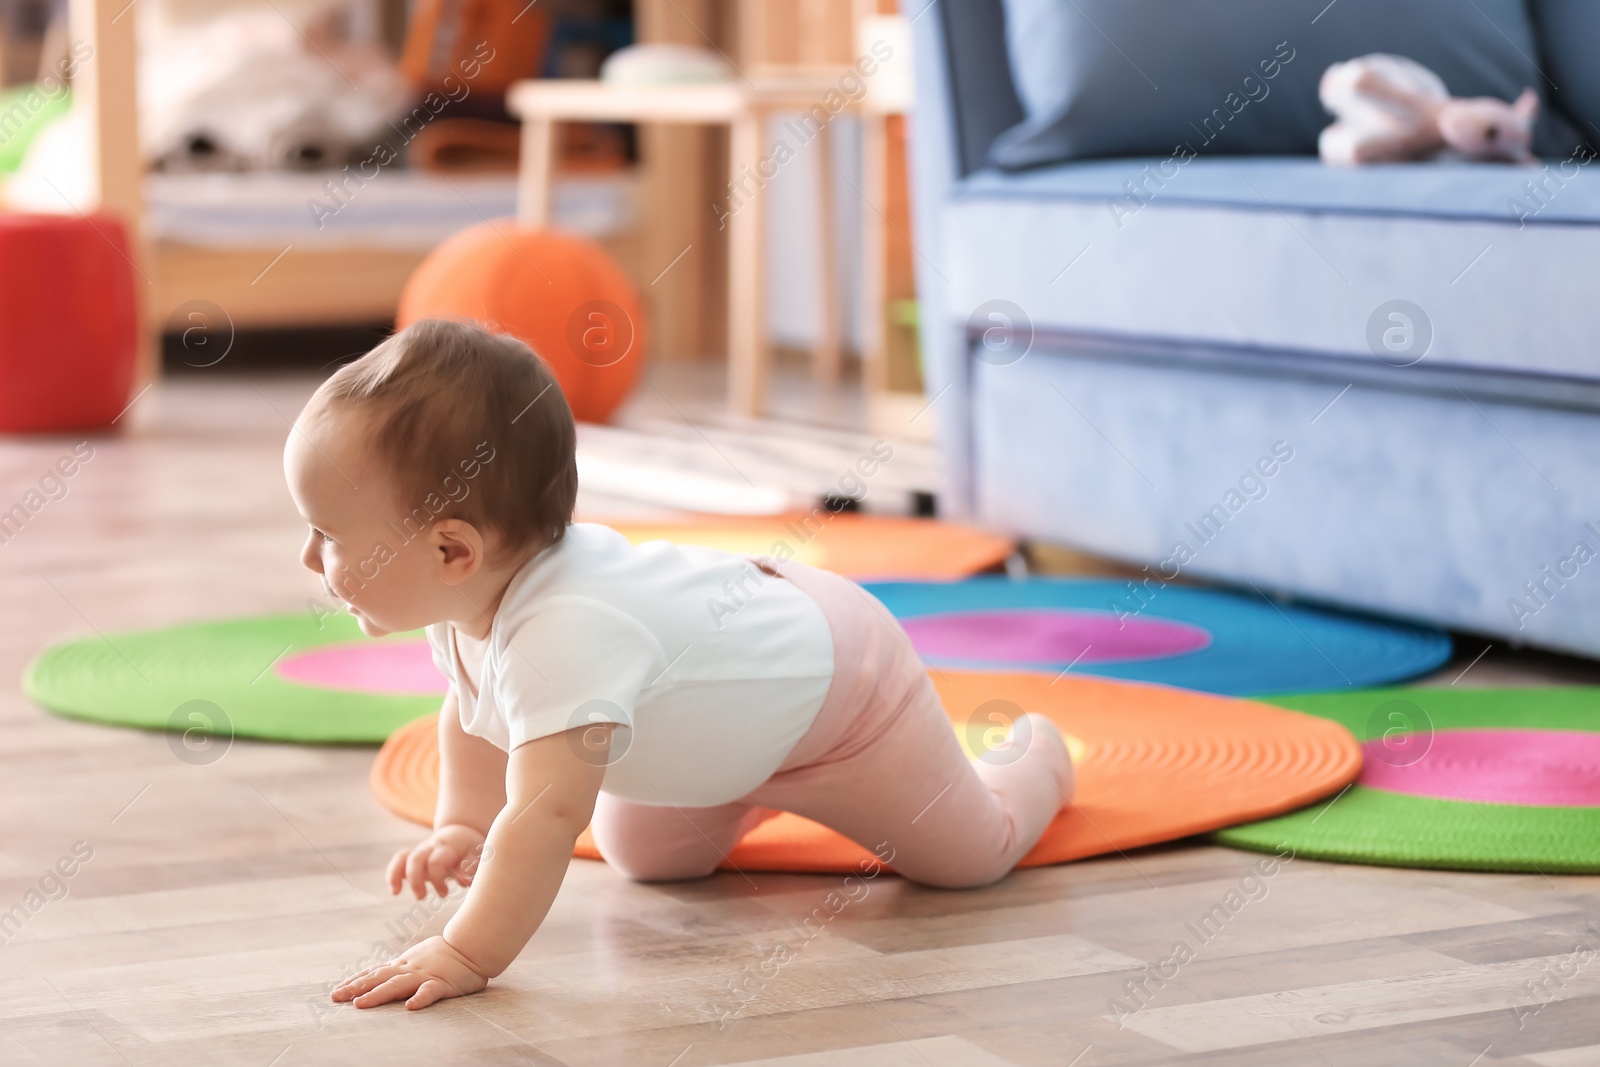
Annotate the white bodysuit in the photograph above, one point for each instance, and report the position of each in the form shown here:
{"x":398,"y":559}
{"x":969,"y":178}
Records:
{"x":712,"y":668}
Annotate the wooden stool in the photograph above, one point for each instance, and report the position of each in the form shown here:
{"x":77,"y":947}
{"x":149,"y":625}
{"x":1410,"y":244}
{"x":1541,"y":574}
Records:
{"x":743,"y":105}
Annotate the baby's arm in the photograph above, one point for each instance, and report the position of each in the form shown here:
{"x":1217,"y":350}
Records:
{"x":472,"y":774}
{"x":551,"y":785}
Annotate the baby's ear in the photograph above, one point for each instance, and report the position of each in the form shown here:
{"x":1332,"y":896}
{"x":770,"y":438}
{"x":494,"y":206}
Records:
{"x":1526,"y":106}
{"x":459,"y":545}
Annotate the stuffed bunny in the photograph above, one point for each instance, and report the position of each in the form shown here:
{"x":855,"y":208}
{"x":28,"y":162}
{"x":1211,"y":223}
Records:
{"x":1391,"y":109}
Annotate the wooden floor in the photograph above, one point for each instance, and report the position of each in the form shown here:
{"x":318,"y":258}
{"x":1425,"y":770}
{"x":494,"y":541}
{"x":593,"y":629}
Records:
{"x":222,"y":899}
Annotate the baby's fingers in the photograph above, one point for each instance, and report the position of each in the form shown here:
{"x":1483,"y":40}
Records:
{"x":353,"y":987}
{"x":430,"y":992}
{"x":440,"y":862}
{"x":397,"y":869}
{"x":399,"y":987}
{"x":417,"y":871}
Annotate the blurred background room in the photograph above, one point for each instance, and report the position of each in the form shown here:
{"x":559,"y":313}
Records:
{"x":1218,"y":377}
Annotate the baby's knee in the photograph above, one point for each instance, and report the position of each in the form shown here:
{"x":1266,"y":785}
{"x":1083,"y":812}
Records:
{"x":966,"y":876}
{"x":664,"y":868}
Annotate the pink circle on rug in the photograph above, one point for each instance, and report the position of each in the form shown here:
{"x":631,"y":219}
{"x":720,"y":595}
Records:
{"x":1049,"y":635}
{"x":401,"y":668}
{"x":1537,"y":768}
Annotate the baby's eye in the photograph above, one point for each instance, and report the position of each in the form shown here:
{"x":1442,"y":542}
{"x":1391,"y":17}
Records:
{"x":324,"y":538}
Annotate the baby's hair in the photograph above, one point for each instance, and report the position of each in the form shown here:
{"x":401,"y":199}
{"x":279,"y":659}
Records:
{"x":454,"y":405}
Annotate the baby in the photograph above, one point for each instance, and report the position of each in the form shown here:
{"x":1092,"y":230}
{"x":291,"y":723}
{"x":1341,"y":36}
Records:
{"x":598,"y":683}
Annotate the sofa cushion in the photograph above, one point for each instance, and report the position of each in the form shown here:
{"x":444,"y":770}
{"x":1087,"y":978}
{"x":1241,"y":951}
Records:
{"x":983,"y":102}
{"x":1286,"y":256}
{"x":1102,"y":78}
{"x":1568,"y":31}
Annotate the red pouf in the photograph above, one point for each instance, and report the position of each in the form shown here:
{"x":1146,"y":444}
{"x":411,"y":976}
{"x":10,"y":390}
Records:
{"x":68,"y":325}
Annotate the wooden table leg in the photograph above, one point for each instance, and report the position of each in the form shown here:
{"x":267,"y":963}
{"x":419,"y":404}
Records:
{"x":747,"y":274}
{"x":874,"y":253}
{"x":826,"y":356}
{"x":536,"y":171}
{"x":104,"y":94}
{"x":675,"y":181}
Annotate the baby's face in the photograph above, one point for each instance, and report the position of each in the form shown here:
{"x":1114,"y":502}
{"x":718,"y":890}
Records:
{"x":389,"y":578}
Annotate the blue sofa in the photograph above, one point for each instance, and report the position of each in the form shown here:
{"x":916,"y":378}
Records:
{"x":1374,"y":388}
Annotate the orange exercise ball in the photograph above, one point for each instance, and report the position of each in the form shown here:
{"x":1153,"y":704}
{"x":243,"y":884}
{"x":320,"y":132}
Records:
{"x":558,"y":292}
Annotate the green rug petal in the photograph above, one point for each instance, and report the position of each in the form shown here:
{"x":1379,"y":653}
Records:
{"x":1375,"y":826}
{"x":217,"y":678}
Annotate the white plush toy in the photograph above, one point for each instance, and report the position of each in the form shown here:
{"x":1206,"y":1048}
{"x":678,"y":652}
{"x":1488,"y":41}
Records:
{"x":1391,"y":109}
{"x":247,"y":90}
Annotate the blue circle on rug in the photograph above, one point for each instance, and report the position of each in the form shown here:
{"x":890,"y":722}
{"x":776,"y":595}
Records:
{"x":1256,"y":645}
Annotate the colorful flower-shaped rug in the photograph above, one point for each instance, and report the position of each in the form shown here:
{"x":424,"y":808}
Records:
{"x":310,"y":677}
{"x":1472,"y":779}
{"x":1153,"y":764}
{"x":1204,"y":639}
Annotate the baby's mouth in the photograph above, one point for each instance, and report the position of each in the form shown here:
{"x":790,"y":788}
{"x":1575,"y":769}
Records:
{"x":341,"y":601}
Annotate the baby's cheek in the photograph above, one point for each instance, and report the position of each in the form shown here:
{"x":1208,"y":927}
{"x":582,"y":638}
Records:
{"x":402,"y":576}
{"x":342,"y":573}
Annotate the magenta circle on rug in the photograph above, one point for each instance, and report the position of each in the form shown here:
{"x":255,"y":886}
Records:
{"x":1535,"y":768}
{"x":390,"y":667}
{"x":1049,"y":635}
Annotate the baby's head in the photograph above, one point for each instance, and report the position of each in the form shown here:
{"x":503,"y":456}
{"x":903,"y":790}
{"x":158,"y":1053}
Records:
{"x":435,"y":464}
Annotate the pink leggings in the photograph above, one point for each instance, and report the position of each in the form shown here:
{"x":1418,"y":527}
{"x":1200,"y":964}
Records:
{"x":880,"y":764}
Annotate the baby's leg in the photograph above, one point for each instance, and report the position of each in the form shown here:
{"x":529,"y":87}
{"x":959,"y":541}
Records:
{"x":941,"y":819}
{"x":658,"y":844}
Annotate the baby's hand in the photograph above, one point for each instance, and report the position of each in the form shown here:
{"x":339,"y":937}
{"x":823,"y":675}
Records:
{"x":429,"y":971}
{"x":448,"y":852}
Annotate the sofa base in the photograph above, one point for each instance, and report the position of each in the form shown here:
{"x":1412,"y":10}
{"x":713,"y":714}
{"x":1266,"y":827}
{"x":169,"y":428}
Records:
{"x":1471,"y":513}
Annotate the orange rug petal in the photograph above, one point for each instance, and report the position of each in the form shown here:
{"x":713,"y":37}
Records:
{"x":1154,"y":764}
{"x":862,"y":547}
